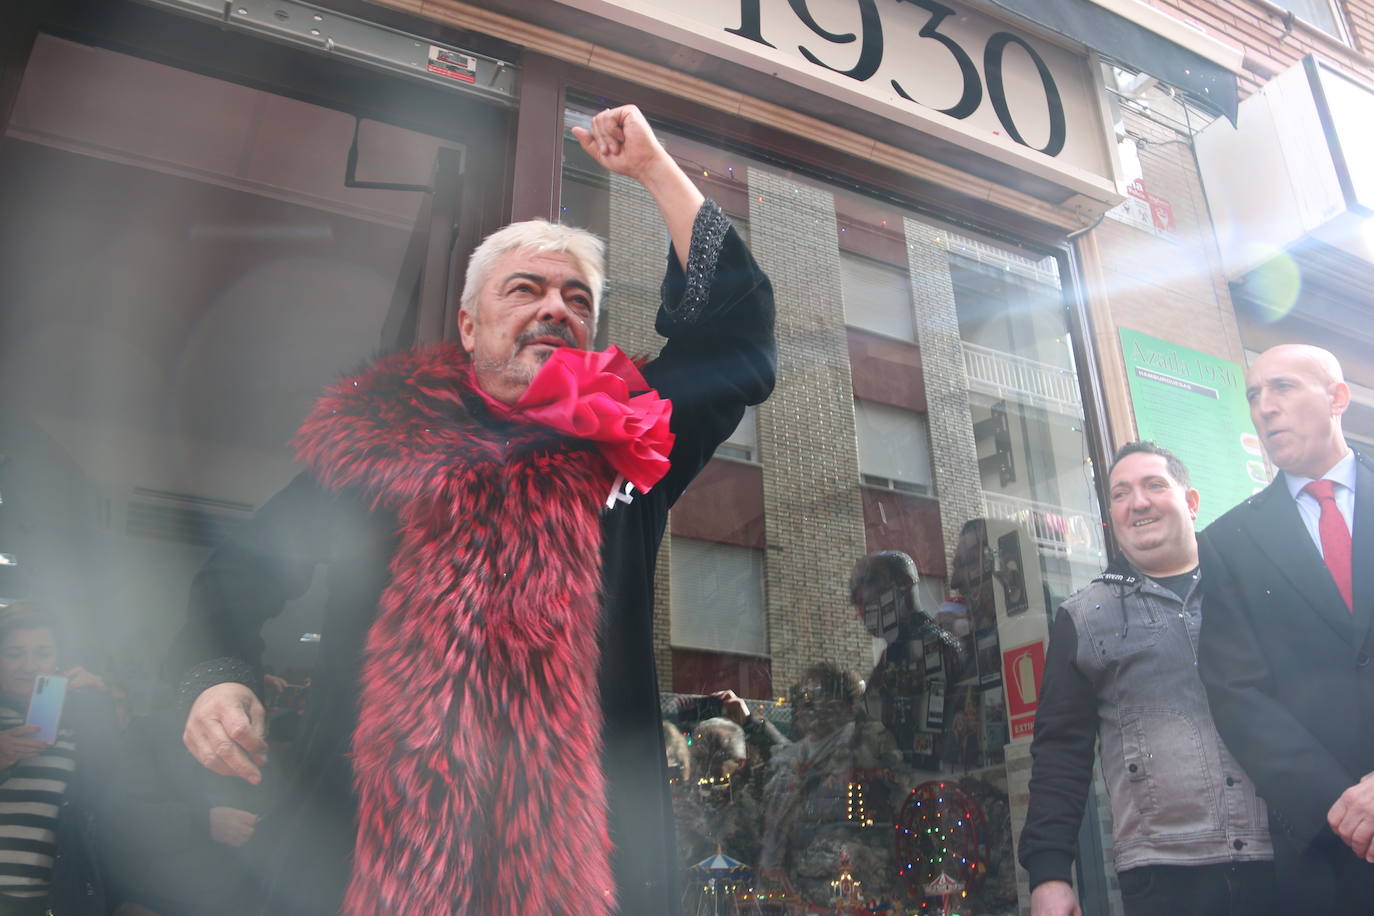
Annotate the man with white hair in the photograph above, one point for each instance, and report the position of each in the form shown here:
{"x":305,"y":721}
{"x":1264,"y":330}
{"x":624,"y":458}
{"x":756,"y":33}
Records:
{"x":483,"y":728}
{"x":1287,"y":641}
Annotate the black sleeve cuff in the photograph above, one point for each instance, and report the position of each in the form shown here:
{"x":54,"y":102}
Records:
{"x":1050,"y":865}
{"x":214,"y":671}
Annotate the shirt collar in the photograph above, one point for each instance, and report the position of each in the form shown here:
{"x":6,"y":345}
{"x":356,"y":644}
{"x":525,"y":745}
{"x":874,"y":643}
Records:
{"x":1342,"y":472}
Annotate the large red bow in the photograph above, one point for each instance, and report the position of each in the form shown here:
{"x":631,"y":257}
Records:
{"x":588,"y":396}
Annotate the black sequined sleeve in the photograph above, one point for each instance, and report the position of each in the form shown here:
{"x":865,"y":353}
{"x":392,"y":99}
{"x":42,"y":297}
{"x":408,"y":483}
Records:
{"x":721,"y":354}
{"x":708,"y":237}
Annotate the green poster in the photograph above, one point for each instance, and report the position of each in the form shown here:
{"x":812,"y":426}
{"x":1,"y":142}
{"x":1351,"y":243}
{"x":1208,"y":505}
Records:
{"x":1194,"y":405}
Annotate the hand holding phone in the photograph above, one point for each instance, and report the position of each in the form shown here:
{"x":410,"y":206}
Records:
{"x":45,"y":706}
{"x":19,"y":744}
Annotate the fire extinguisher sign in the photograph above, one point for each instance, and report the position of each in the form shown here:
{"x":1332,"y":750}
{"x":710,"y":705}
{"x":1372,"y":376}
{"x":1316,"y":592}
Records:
{"x":1022,"y":671}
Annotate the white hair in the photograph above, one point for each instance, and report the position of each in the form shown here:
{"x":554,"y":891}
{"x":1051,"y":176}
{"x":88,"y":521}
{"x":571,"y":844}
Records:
{"x":585,"y":249}
{"x":721,"y":735}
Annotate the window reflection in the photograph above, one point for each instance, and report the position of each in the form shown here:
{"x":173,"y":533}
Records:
{"x":927,"y":406}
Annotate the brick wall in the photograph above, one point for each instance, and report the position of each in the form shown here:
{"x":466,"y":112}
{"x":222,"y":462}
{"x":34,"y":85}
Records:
{"x":954,"y":453}
{"x":813,"y":512}
{"x":1270,"y":46}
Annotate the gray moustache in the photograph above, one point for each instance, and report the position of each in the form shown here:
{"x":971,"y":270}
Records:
{"x":545,"y":329}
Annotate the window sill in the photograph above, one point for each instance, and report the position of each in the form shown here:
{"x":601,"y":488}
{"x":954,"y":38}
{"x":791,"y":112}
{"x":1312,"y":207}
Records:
{"x":747,"y":462}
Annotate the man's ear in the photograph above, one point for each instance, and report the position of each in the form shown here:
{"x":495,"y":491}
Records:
{"x":1340,"y":398}
{"x":466,"y":327}
{"x":1194,"y":499}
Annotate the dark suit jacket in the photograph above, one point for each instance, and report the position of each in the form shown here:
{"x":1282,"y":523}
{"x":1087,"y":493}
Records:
{"x":1287,"y":666}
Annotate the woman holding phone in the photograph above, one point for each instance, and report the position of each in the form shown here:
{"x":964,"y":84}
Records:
{"x":47,"y":789}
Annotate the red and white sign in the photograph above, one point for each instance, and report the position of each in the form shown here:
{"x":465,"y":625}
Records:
{"x":1022,"y":670}
{"x":1022,"y":726}
{"x":1161,"y":210}
{"x":453,"y":64}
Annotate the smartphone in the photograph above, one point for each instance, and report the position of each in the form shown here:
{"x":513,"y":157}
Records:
{"x":694,"y":709}
{"x":45,"y":706}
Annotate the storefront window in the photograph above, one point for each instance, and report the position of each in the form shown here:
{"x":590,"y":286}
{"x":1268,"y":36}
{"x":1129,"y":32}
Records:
{"x":188,"y":256}
{"x":927,"y":403}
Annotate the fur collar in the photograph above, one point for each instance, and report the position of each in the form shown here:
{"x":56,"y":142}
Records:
{"x":391,"y":427}
{"x":477,"y":751}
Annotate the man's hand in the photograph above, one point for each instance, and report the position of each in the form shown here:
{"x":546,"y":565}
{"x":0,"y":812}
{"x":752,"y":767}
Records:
{"x":1054,"y":898}
{"x":79,"y":678}
{"x":19,"y":744}
{"x":226,"y":732}
{"x":621,"y":140}
{"x":736,"y":710}
{"x":1352,"y":817}
{"x":231,"y":826}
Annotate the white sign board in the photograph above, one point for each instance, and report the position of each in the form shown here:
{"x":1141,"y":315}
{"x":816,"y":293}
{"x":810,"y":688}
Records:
{"x":1298,"y":165}
{"x":951,"y":72}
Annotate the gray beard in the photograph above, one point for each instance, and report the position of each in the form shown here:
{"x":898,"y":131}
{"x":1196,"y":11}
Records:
{"x":507,"y":368}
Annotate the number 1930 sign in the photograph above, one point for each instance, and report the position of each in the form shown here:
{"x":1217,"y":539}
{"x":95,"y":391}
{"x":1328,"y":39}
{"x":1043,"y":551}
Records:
{"x":952,"y":72}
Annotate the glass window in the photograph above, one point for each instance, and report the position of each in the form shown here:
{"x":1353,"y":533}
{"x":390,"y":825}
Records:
{"x":1357,"y":423}
{"x":894,"y":447}
{"x":186,"y":261}
{"x":718,"y":597}
{"x":743,"y":443}
{"x":927,"y":404}
{"x":584,"y":199}
{"x":877,"y":297}
{"x":1320,"y":13}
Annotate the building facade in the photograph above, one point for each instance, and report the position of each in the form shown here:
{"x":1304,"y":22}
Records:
{"x":988,"y":231}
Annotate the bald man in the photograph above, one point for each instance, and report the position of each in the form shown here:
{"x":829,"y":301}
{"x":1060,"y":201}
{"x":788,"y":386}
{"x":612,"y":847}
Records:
{"x":1287,"y":640}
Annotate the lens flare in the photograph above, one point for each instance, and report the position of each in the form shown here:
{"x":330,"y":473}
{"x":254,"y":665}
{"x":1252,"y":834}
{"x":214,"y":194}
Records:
{"x":1274,"y":286}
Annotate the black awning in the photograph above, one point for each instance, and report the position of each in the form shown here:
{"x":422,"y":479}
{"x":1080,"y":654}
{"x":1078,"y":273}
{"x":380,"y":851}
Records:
{"x":1136,"y":47}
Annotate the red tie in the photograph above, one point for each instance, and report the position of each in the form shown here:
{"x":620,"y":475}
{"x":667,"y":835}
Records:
{"x":1335,"y":538}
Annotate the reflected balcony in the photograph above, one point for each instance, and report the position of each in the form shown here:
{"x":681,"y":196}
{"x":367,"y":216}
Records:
{"x":1025,"y":381}
{"x":1071,"y":533}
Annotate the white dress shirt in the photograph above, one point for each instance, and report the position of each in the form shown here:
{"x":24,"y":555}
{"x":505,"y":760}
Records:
{"x":1342,"y":474}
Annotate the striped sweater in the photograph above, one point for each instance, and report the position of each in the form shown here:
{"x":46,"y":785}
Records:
{"x":31,"y":794}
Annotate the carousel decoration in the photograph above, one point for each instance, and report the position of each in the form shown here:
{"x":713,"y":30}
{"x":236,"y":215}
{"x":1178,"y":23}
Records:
{"x":723,"y":887}
{"x":942,"y":846}
{"x":847,"y":897}
{"x":846,"y":893}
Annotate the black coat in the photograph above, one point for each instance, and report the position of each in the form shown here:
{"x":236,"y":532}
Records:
{"x":78,"y":873}
{"x":720,"y":357}
{"x":1288,"y":675}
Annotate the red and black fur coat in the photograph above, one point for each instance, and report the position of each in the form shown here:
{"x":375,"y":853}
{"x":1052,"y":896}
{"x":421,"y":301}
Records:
{"x":477,"y":750}
{"x":472,"y":732}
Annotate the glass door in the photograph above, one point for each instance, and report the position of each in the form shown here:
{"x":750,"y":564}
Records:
{"x":186,"y":259}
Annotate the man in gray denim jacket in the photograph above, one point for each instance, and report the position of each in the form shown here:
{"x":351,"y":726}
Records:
{"x":1189,"y":833}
